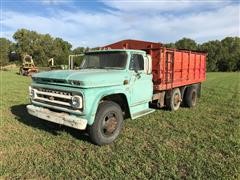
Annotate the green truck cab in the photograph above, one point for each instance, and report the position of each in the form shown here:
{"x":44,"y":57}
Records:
{"x":110,"y":86}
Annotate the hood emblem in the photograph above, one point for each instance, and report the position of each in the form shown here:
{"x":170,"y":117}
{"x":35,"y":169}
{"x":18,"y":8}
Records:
{"x":51,"y":98}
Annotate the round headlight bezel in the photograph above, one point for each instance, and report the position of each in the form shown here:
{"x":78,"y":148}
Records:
{"x":76,"y":102}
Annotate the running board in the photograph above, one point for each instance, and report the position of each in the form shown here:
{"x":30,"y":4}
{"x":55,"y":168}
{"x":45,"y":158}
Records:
{"x":142,"y":113}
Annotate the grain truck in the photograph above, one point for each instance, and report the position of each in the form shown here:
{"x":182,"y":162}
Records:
{"x":117,"y":82}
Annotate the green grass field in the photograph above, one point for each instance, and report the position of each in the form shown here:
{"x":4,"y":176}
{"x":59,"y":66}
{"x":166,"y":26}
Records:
{"x":203,"y":142}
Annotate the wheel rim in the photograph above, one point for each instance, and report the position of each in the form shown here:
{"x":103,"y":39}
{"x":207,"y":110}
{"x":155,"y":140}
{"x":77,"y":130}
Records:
{"x":109,"y":124}
{"x":176,"y":100}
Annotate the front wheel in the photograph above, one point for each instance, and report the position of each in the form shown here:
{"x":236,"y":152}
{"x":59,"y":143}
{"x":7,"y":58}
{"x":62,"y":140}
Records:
{"x":108,"y":123}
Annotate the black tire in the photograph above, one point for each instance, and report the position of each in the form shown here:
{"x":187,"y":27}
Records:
{"x":190,"y":98}
{"x":173,"y":99}
{"x":107,"y":125}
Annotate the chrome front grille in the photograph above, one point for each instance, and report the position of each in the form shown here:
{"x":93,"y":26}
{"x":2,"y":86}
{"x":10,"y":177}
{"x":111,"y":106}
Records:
{"x":53,"y":97}
{"x":54,"y":91}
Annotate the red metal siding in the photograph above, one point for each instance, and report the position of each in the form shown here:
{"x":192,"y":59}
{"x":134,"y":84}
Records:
{"x":171,"y":67}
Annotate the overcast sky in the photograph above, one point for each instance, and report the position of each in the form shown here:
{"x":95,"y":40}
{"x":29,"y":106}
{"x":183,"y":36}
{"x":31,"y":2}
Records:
{"x":96,"y":23}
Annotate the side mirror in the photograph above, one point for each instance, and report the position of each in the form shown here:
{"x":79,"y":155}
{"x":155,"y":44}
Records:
{"x":148,"y":64}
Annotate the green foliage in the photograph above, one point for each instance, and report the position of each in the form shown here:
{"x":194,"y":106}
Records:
{"x":78,"y":59}
{"x":79,"y":50}
{"x":223,"y":55}
{"x":213,"y":48}
{"x":198,"y":143}
{"x":231,"y":53}
{"x":170,"y":45}
{"x":186,"y":43}
{"x":5,"y":48}
{"x":61,"y":51}
{"x":41,"y":47}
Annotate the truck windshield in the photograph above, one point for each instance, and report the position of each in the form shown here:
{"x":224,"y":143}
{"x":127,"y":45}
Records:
{"x":104,"y":60}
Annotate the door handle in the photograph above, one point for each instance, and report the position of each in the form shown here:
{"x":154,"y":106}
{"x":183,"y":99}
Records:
{"x":138,"y":75}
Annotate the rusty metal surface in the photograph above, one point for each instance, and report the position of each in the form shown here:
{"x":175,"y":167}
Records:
{"x":109,"y":123}
{"x":28,"y":67}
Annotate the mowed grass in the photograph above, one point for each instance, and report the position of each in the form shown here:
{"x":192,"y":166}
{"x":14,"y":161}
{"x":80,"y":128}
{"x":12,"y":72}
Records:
{"x":203,"y":142}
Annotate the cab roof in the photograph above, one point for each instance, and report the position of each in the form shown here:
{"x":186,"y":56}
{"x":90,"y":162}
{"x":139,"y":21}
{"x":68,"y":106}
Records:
{"x":116,"y":50}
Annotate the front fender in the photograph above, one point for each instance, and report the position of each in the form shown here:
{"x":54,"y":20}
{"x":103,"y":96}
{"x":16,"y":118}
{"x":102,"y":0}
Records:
{"x":94,"y":97}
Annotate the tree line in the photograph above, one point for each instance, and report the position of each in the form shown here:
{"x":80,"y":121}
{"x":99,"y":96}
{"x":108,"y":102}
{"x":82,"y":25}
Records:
{"x":223,"y":55}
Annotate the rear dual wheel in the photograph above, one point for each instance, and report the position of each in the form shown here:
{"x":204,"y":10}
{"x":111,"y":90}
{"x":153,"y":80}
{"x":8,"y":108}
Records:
{"x":173,"y":99}
{"x":190,"y":98}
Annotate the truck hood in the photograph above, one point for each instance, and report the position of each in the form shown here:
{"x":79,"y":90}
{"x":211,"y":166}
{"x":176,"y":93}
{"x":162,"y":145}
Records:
{"x":85,"y":78}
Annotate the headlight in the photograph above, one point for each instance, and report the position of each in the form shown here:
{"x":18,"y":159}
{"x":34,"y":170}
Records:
{"x":76,"y":102}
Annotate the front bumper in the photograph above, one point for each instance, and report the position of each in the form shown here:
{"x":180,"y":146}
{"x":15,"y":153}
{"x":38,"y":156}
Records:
{"x":59,"y":118}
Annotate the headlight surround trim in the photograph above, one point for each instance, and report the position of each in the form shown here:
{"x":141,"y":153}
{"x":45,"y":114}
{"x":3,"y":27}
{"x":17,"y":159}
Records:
{"x":77,"y":102}
{"x":32,"y":92}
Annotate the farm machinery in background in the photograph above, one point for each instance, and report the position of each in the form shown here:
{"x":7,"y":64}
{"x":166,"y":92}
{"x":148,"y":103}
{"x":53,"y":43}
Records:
{"x":28,"y":67}
{"x":74,"y":61}
{"x":52,"y":66}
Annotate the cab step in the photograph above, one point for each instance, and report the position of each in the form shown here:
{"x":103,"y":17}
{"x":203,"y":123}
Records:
{"x":142,"y":113}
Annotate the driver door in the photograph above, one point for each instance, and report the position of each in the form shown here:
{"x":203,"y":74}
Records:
{"x":141,"y":82}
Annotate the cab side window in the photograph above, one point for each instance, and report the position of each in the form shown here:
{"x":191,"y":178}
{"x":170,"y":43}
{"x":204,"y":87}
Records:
{"x":137,"y":62}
